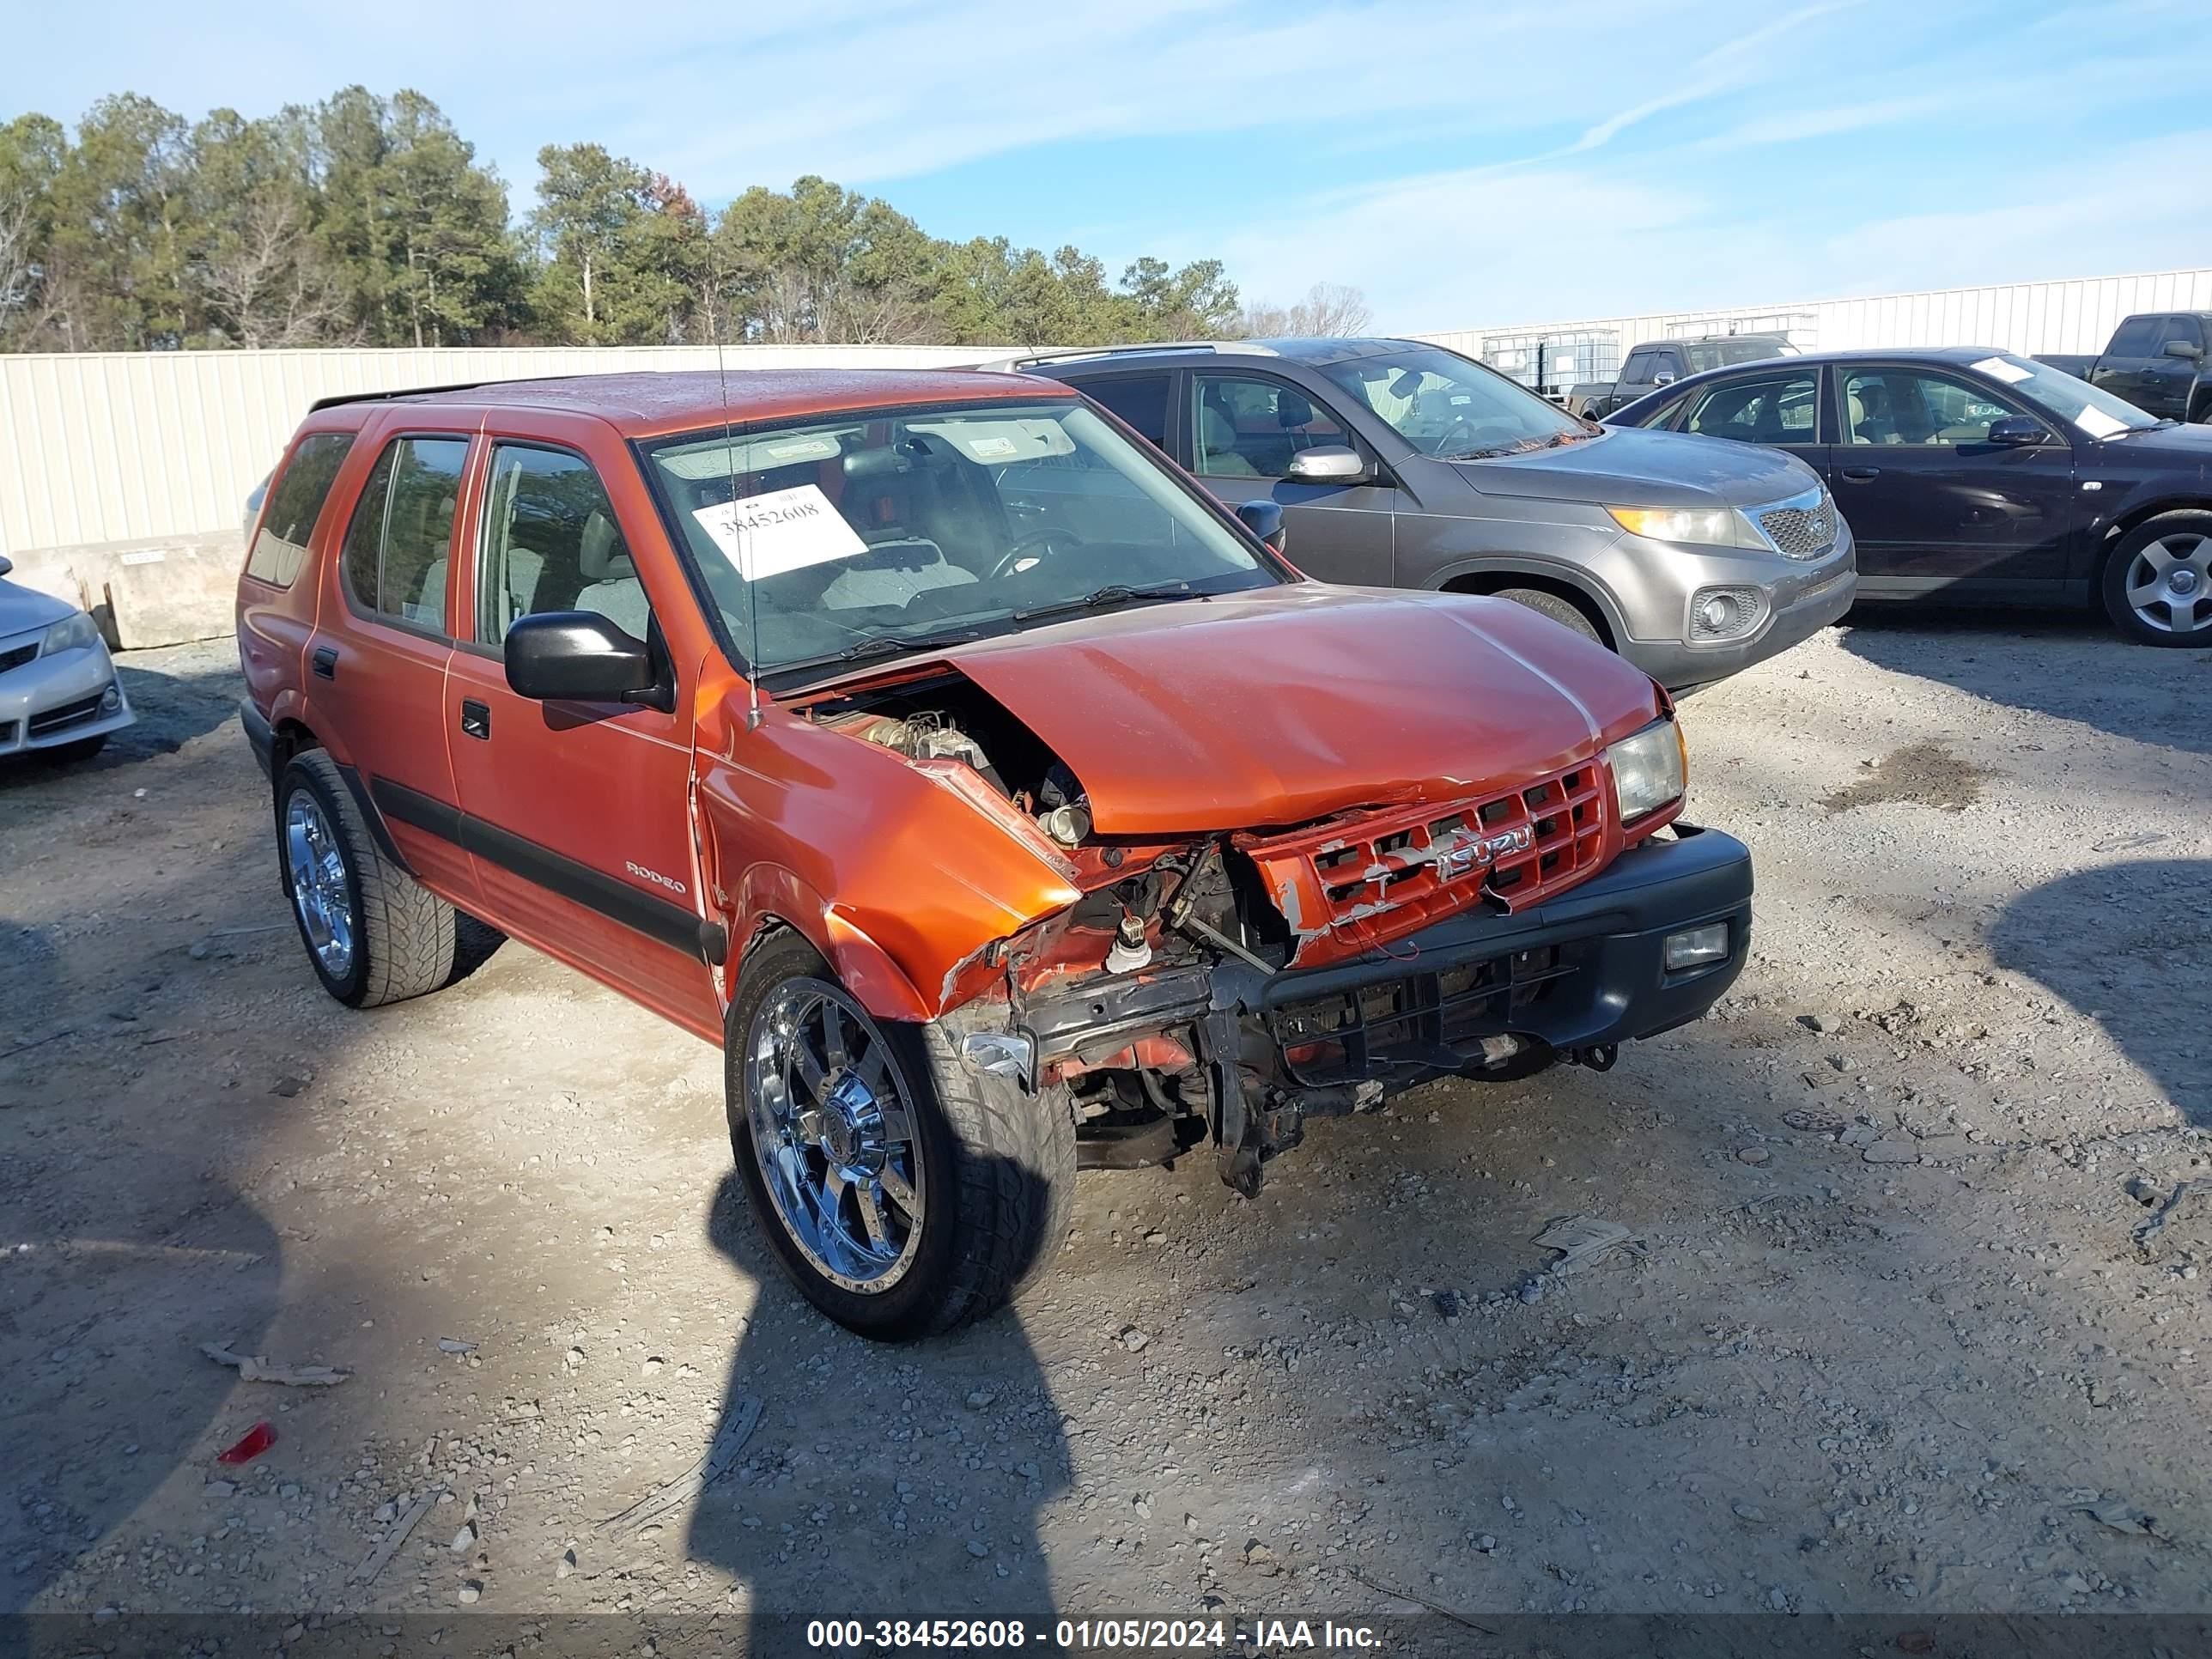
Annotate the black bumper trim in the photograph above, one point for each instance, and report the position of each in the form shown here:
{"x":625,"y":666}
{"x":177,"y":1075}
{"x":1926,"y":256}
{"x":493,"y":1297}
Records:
{"x":1608,"y":988}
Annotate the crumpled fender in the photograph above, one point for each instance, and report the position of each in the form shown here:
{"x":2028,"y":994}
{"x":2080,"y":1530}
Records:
{"x":899,"y":881}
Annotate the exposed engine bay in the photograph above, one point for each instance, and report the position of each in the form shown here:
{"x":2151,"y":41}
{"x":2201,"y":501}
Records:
{"x":1148,"y":999}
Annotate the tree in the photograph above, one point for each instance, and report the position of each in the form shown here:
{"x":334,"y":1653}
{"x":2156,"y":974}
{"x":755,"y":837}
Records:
{"x":414,"y":230}
{"x":258,"y":275}
{"x":114,"y":259}
{"x":623,"y":249}
{"x":822,"y":263}
{"x":1329,"y":308}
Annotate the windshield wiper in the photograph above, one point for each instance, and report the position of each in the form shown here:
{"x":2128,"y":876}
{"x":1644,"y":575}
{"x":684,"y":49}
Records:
{"x":1099,"y":599}
{"x":880,"y":645}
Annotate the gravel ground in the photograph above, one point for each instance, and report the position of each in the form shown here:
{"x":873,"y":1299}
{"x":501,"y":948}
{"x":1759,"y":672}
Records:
{"x":1891,"y":1345}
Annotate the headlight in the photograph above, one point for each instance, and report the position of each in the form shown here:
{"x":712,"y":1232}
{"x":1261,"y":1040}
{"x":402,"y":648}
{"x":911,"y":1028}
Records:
{"x":1649,"y":770}
{"x":70,"y":633}
{"x":1695,"y":527}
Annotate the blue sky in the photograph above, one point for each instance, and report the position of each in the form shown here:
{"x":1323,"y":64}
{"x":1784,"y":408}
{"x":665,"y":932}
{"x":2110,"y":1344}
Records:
{"x":1463,"y":163}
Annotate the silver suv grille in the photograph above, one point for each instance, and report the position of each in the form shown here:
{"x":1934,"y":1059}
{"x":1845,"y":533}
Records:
{"x":1802,"y":527}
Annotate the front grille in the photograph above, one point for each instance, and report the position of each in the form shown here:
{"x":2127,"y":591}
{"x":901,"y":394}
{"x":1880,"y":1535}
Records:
{"x":69,"y":714}
{"x":1802,"y":527}
{"x":1364,"y":877}
{"x":16,"y":656}
{"x":1425,"y":1022}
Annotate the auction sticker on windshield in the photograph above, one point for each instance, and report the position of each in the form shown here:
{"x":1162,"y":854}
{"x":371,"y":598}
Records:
{"x":783,"y":530}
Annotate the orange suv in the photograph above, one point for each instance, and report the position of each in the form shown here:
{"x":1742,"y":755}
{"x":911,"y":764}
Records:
{"x":997,"y":801}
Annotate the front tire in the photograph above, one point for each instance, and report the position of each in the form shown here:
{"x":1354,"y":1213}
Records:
{"x":1565,"y":612}
{"x":904,"y":1196}
{"x":2157,"y":583}
{"x":372,"y":933}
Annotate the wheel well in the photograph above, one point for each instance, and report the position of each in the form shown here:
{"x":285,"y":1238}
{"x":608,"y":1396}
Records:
{"x":2121,"y":528}
{"x":1492,"y":581}
{"x":292,"y":738}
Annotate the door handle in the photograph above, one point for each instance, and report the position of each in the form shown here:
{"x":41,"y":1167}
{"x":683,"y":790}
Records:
{"x":476,"y":719}
{"x":1861,"y":474}
{"x":325,"y":659}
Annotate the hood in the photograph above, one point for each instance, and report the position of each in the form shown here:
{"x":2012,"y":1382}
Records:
{"x":1628,"y":466}
{"x":1289,"y":703}
{"x":23,"y":609}
{"x":2182,"y":445}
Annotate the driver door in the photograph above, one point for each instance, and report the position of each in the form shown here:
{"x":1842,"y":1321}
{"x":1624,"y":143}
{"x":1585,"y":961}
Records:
{"x":1244,"y":428}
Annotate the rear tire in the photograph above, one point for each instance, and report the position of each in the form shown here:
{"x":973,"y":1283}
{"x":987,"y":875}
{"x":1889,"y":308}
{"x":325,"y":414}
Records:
{"x":987,"y":1172}
{"x":1565,"y":612}
{"x":2157,"y":582}
{"x":373,"y":934}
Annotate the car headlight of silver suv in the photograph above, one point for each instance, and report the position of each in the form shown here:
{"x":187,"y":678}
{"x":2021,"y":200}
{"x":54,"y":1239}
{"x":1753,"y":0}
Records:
{"x":1650,"y":769}
{"x":76,"y":633}
{"x":1692,"y":527}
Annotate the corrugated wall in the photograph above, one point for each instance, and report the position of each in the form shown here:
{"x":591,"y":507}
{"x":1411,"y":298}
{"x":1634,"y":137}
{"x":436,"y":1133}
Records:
{"x":110,"y":447}
{"x":2026,"y":317}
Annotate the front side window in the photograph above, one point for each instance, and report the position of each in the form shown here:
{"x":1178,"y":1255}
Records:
{"x":1140,"y":400}
{"x":295,"y":502}
{"x":1637,"y":370}
{"x":1726,"y":354}
{"x":1890,"y":406}
{"x":1450,"y":406}
{"x":394,"y":560}
{"x":2136,"y":337}
{"x":2185,"y":330}
{"x":874,"y":534}
{"x":550,"y":542}
{"x":1770,"y":409}
{"x":1250,"y":427}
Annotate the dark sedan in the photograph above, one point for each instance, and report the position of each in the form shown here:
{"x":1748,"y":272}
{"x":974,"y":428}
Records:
{"x":1976,"y":477}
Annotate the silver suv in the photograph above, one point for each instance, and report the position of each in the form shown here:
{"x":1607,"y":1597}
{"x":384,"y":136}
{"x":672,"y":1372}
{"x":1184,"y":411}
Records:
{"x":1402,"y":464}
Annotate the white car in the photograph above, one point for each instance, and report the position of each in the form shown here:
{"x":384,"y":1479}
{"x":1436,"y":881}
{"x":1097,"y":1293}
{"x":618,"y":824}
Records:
{"x":58,"y":692}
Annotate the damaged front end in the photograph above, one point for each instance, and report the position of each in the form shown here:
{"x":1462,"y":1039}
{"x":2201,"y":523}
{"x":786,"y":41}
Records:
{"x":1218,"y":988}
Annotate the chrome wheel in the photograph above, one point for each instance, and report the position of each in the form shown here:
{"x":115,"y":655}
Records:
{"x":2169,"y":583}
{"x":321,"y":893}
{"x":833,"y":1130}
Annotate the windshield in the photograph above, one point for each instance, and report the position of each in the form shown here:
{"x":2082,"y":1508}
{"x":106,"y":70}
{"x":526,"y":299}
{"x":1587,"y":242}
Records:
{"x":1726,"y":354}
{"x":876,"y":533}
{"x":1450,"y":406}
{"x":2088,"y":409}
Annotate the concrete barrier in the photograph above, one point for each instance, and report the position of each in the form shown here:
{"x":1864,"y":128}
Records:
{"x":144,"y":593}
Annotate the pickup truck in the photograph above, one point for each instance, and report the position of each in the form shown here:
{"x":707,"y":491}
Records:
{"x":2156,"y":361}
{"x":1662,"y":362}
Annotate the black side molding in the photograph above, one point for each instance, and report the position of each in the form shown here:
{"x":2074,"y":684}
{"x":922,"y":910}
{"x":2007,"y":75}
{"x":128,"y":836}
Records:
{"x":668,"y":924}
{"x":260,"y":734}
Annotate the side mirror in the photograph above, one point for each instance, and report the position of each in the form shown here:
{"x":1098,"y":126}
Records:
{"x":1264,"y":519}
{"x":578,"y":656}
{"x":6,"y":564}
{"x":1664,"y":377}
{"x":2183,"y":349}
{"x":2016,"y":432}
{"x":1328,"y":464}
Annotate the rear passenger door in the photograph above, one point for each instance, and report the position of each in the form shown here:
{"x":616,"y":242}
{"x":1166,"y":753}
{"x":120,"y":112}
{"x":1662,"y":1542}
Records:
{"x":578,"y":814}
{"x":1244,"y":428}
{"x":376,"y":667}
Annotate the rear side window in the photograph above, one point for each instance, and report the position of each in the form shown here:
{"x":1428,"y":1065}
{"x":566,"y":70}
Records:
{"x":1141,"y":400}
{"x":396,"y":547}
{"x":295,"y":502}
{"x":2136,"y":337}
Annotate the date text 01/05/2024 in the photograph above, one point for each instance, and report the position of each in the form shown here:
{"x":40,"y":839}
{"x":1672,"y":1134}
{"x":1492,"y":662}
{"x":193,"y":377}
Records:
{"x":1091,"y":1635}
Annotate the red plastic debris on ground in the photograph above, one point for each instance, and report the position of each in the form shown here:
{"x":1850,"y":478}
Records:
{"x":255,"y":1441}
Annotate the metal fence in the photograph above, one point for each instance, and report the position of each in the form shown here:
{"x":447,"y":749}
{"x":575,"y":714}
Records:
{"x":104,"y":447}
{"x":2075,"y":316}
{"x":135,"y":445}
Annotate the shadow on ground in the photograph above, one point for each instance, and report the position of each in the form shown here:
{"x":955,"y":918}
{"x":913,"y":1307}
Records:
{"x":2125,"y":944}
{"x":2077,"y":668}
{"x":821,"y":1514}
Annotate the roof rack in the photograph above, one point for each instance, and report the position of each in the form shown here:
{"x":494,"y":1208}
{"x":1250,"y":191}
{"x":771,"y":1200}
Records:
{"x":399,"y":392}
{"x":1065,"y":354}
